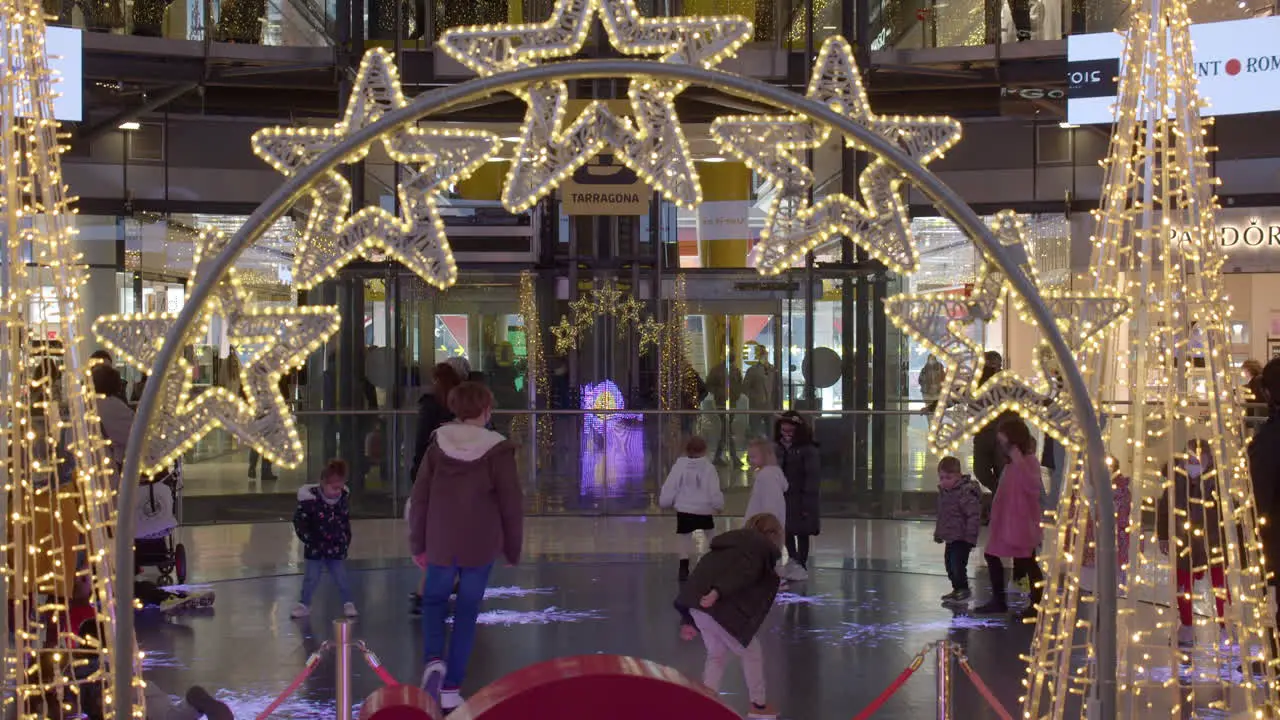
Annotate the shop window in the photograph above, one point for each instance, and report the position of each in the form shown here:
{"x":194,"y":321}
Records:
{"x":146,"y":144}
{"x":1239,"y":330}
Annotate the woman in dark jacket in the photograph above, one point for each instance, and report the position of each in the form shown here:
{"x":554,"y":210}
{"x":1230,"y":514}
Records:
{"x":798,"y":456}
{"x":433,"y":411}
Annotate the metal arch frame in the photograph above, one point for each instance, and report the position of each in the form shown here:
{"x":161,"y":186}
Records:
{"x":435,"y":101}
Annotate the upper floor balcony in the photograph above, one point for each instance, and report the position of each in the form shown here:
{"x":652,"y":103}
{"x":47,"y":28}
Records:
{"x":779,"y":24}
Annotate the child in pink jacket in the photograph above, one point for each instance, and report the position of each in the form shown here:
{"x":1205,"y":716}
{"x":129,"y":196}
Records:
{"x":1015,"y":518}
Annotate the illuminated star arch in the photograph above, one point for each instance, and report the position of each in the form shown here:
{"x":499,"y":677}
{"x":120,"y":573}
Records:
{"x":685,"y":60}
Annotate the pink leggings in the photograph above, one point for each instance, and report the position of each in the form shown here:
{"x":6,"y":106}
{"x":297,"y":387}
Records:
{"x":1185,"y":581}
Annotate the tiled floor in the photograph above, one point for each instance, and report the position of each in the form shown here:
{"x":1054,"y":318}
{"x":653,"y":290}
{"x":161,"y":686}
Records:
{"x":587,"y":586}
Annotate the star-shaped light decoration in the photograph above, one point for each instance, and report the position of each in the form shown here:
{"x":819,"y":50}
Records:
{"x":793,"y":227}
{"x":653,"y":144}
{"x":939,"y":321}
{"x":651,"y":332}
{"x":274,"y":340}
{"x":437,"y":158}
{"x":566,"y":336}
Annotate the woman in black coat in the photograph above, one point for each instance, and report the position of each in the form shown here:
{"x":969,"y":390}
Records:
{"x":798,"y":457}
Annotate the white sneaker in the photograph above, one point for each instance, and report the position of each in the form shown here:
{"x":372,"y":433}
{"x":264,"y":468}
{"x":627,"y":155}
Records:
{"x":300,"y":611}
{"x":349,"y":609}
{"x":450,"y":700}
{"x":795,"y":573}
{"x":433,"y":679}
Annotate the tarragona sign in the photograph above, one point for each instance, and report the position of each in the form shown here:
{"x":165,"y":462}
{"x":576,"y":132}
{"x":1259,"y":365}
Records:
{"x":1237,"y":62}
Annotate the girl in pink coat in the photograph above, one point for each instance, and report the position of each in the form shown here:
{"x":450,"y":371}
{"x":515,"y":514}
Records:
{"x":1015,"y":518}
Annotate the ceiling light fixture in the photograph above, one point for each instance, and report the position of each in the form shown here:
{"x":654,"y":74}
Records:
{"x":131,"y":125}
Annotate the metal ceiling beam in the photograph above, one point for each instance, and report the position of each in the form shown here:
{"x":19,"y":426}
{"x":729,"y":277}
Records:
{"x":96,"y":131}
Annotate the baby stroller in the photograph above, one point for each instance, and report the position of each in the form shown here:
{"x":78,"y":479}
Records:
{"x":157,"y":522}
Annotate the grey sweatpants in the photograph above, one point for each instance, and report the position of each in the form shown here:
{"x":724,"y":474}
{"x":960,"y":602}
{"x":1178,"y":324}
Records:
{"x":720,"y":645}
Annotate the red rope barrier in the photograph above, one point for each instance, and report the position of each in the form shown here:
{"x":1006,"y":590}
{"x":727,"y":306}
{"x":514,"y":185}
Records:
{"x":894,"y":686}
{"x":983,"y":690}
{"x":310,"y":667}
{"x":376,"y":665}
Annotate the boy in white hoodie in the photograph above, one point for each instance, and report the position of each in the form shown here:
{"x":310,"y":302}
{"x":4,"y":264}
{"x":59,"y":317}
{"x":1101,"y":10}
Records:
{"x":693,"y":489}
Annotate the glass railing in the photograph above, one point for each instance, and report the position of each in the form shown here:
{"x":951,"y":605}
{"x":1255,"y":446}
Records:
{"x":578,"y":462}
{"x":250,"y":22}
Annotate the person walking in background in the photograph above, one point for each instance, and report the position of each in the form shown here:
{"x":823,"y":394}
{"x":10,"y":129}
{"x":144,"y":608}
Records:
{"x":727,"y":599}
{"x":268,"y":473}
{"x":1053,"y":456}
{"x":466,"y":509}
{"x":988,"y":460}
{"x":693,"y":489}
{"x":1255,"y":392}
{"x":433,"y":412}
{"x":1015,"y":518}
{"x":931,"y":377}
{"x":798,"y":457}
{"x":959,"y":518}
{"x":759,"y":384}
{"x":1195,"y":525}
{"x":322,"y":522}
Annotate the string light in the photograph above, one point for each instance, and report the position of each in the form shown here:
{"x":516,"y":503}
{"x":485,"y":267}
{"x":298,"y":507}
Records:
{"x":880,"y":224}
{"x":536,"y":368}
{"x":437,"y":159}
{"x":939,"y":321}
{"x":651,"y":143}
{"x":275,"y":340}
{"x":58,"y":480}
{"x":1164,"y":379}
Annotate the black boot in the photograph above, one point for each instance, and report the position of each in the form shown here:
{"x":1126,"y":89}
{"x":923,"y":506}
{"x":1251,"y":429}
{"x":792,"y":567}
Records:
{"x":684,"y":570}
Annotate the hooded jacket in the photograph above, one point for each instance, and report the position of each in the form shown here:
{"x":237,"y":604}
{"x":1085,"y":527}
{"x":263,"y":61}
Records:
{"x":1015,"y":510}
{"x":323,"y":525}
{"x":959,"y":512}
{"x":467,"y":507}
{"x":740,"y":567}
{"x":693,"y":487}
{"x":768,"y":494}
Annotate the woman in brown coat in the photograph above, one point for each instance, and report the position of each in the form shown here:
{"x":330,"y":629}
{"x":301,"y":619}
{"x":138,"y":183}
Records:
{"x":465,"y":511}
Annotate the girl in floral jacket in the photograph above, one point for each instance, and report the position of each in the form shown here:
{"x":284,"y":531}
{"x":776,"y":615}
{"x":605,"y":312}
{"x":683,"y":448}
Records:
{"x":323,"y":524}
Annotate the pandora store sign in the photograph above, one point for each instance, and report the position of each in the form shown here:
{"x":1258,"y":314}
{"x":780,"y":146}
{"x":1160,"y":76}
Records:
{"x":1250,"y":238}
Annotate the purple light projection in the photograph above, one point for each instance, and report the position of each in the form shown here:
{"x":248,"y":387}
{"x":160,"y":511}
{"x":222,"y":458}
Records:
{"x":612,"y":442}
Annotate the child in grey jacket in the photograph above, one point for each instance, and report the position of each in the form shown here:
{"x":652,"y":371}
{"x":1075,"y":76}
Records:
{"x":959,"y":515}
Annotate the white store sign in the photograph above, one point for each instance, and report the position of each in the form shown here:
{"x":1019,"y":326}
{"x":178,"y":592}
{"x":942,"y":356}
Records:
{"x":1237,"y":62}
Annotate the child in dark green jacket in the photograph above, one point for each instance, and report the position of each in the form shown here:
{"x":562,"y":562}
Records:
{"x":727,"y":599}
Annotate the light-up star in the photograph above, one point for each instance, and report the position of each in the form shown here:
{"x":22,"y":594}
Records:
{"x":652,"y":143}
{"x":966,"y":403}
{"x":566,"y":336}
{"x":793,"y":227}
{"x":330,"y":239}
{"x":272,"y":340}
{"x":416,"y":238}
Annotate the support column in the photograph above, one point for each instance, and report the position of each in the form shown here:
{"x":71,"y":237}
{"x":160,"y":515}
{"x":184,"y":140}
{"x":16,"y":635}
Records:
{"x":723,"y":233}
{"x":100,"y":241}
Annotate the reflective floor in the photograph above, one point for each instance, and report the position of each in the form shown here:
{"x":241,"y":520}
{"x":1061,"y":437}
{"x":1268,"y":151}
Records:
{"x":588,"y":586}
